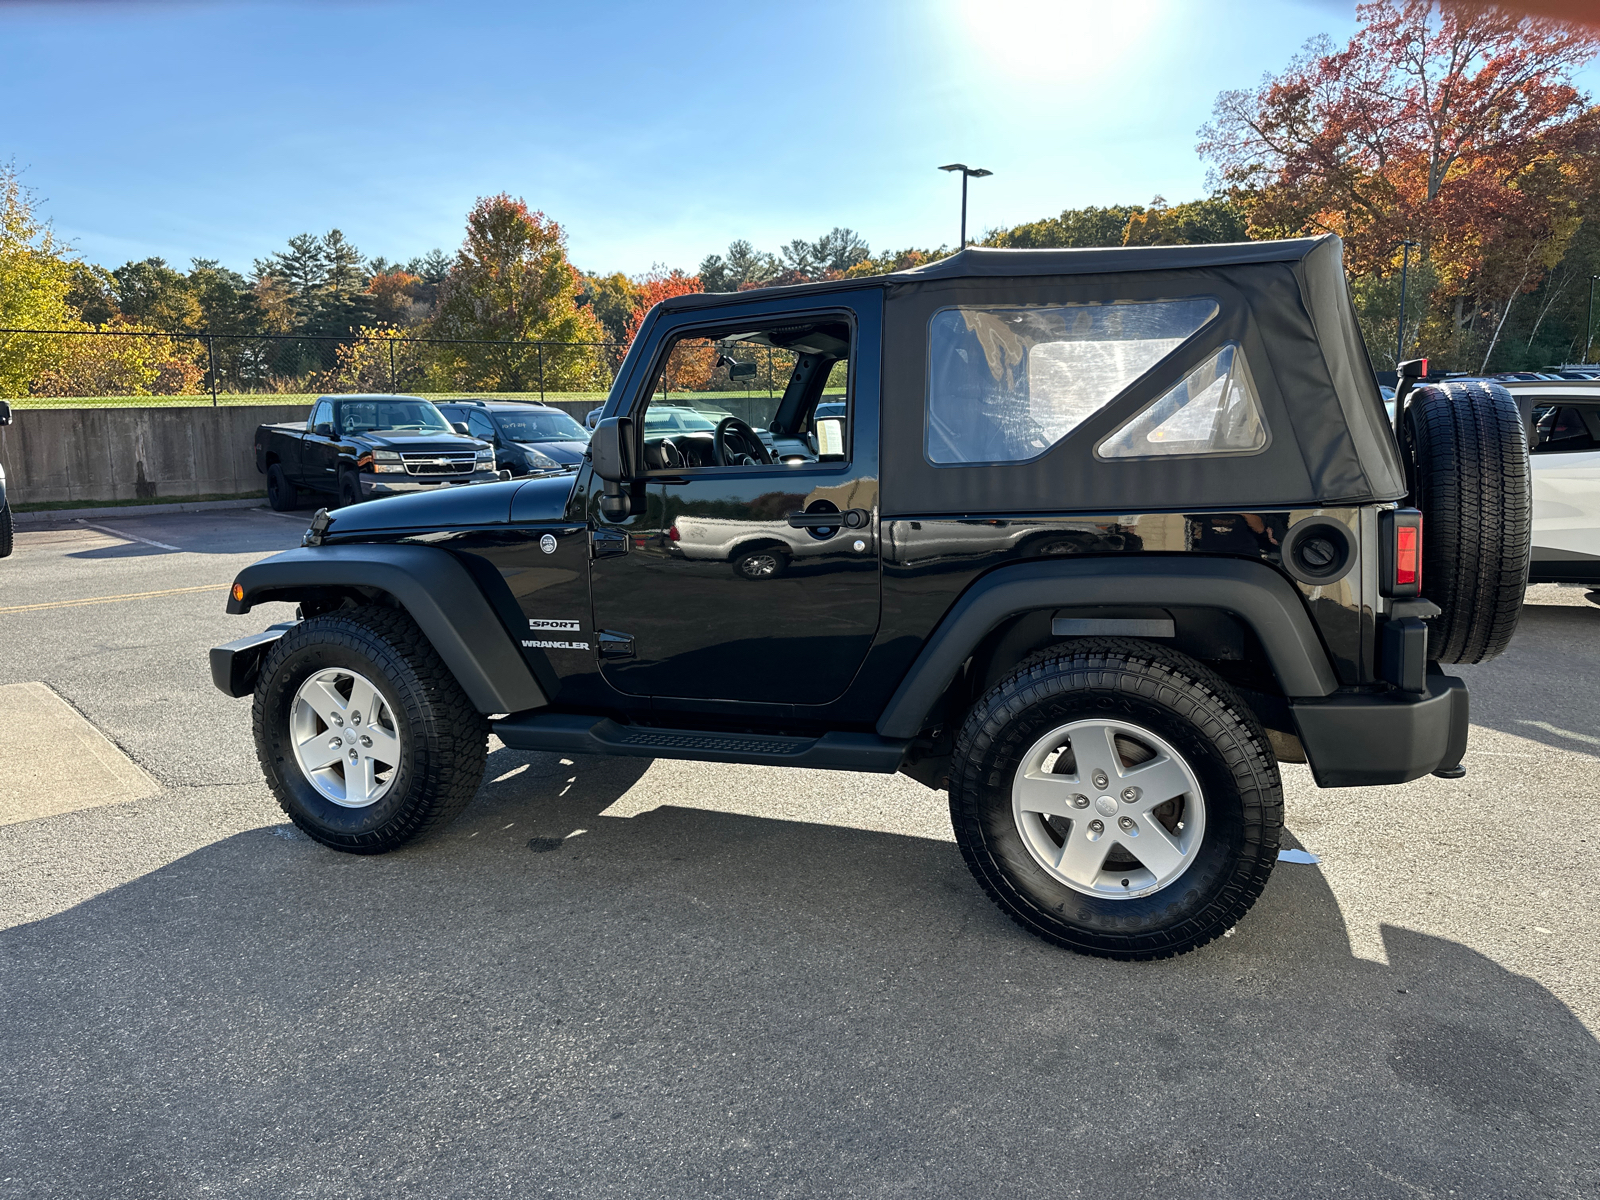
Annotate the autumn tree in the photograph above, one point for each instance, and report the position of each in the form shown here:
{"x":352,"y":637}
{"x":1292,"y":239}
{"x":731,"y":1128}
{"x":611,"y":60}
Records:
{"x":511,"y":284}
{"x":153,"y":294}
{"x":1457,"y":128}
{"x":34,"y":279}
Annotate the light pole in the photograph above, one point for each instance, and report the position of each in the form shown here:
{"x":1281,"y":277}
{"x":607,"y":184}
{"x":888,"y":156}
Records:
{"x":966,"y":174}
{"x":1588,"y":329}
{"x":1400,"y":336}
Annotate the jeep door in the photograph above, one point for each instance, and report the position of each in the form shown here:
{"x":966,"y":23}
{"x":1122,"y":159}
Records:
{"x":749,"y":573}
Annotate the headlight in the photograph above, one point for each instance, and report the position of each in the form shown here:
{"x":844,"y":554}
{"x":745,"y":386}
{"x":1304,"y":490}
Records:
{"x":485,"y":460}
{"x":383,"y":462}
{"x":385,"y":456}
{"x":539,"y":460}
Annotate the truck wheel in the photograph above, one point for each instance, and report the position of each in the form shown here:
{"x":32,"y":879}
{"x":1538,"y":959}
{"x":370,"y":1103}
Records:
{"x":1468,"y":470}
{"x":7,"y":531}
{"x":366,"y":738}
{"x":762,"y":562}
{"x":1116,"y":798}
{"x":280,"y":492}
{"x":349,"y":489}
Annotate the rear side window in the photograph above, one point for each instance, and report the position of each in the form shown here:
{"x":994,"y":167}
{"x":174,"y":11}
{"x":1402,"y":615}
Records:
{"x":1212,"y":410}
{"x":1006,"y":384}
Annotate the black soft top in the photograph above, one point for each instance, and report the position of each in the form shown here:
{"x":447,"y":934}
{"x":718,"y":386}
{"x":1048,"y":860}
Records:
{"x":1285,"y":303}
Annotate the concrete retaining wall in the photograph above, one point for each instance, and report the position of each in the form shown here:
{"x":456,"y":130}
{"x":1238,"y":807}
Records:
{"x":55,"y":454}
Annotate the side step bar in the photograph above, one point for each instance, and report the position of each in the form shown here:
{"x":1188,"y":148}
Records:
{"x":571,"y":734}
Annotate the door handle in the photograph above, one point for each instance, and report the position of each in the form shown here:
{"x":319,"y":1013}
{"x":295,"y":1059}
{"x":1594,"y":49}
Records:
{"x":851,"y":518}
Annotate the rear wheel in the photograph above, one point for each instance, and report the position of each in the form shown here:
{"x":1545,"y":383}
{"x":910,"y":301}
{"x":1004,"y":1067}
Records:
{"x":7,"y":530}
{"x":1468,"y":470}
{"x":366,"y":738}
{"x":1116,"y":798}
{"x":281,"y":494}
{"x":763,"y":562}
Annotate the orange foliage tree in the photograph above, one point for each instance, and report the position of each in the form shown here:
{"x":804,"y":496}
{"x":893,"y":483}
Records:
{"x":1457,"y":128}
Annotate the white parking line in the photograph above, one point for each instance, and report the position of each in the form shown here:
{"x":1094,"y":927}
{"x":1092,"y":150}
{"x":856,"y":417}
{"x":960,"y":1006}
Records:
{"x":132,"y":537}
{"x":267,"y":512}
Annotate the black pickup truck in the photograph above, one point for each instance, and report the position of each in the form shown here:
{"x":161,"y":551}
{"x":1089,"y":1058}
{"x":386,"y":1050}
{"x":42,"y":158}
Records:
{"x":360,"y":447}
{"x":1099,"y":537}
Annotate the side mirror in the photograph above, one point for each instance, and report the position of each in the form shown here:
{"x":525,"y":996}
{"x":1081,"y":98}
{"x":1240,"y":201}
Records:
{"x":611,"y":449}
{"x":460,"y":427}
{"x":611,"y":452}
{"x":5,"y":412}
{"x":323,"y":430}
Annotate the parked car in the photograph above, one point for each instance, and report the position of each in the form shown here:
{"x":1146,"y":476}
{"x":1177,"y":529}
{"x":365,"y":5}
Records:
{"x":1238,"y":580}
{"x":7,"y":524}
{"x":359,"y":447}
{"x":526,"y":437}
{"x":1566,"y":479}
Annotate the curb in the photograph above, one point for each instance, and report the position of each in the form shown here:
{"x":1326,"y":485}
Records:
{"x":133,"y":510}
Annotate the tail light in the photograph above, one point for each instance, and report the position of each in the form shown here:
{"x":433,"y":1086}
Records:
{"x":1400,"y":537}
{"x":672,"y":533}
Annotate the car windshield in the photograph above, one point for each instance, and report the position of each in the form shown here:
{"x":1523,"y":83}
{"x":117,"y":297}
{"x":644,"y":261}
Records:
{"x":676,"y":418}
{"x":369,"y":416}
{"x":542,"y":425}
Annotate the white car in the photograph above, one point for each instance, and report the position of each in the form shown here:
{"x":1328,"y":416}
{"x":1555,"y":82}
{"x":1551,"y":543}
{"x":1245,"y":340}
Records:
{"x":1566,"y":479}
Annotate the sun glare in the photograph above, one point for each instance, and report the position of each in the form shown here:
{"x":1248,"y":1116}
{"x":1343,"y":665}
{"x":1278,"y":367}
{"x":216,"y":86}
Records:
{"x":1057,"y":40}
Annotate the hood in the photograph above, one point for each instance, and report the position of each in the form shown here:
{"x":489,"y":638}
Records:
{"x":568,"y":454}
{"x":542,"y":498}
{"x":429,"y":441}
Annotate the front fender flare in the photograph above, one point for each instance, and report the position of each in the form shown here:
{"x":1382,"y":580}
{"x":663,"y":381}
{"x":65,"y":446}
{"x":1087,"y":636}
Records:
{"x":1253,"y":592}
{"x":437,"y":592}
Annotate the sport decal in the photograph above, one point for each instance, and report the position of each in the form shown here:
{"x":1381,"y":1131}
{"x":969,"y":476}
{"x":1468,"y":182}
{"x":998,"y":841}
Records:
{"x":555,"y":626}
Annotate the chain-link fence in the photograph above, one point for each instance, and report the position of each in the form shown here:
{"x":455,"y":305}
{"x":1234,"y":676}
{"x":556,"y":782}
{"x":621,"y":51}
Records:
{"x":117,"y":368}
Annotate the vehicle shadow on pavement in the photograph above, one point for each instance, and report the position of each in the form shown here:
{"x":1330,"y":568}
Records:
{"x":696,"y":1003}
{"x":1548,"y":675}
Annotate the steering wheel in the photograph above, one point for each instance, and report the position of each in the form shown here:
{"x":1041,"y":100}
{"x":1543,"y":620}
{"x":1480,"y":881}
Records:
{"x":732,"y":456}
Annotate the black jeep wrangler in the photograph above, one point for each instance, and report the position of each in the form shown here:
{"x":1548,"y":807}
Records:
{"x":1092,"y":539}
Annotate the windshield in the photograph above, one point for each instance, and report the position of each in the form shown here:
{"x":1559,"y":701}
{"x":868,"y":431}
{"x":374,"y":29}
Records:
{"x":676,"y":418}
{"x":544,"y":425}
{"x":367,"y":416}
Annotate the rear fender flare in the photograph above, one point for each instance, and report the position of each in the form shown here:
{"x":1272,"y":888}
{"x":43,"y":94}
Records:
{"x":437,"y":592}
{"x":1253,"y":592}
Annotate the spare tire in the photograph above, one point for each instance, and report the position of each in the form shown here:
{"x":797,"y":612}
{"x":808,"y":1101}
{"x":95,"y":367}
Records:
{"x":1467,"y":466}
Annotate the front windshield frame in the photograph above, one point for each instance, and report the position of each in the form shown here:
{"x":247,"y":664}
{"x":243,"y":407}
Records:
{"x":425,"y":417}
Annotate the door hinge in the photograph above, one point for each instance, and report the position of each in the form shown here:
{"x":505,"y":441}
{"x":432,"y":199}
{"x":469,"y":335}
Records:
{"x":615,"y":645}
{"x":606,"y":542}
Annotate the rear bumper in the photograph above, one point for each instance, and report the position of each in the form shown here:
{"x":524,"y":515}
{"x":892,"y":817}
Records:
{"x":1390,"y":737}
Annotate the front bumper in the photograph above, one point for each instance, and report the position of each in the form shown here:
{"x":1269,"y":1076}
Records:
{"x":1358,"y":740}
{"x":373,"y":486}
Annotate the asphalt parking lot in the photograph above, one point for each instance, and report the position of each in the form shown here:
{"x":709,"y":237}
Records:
{"x":745,"y":981}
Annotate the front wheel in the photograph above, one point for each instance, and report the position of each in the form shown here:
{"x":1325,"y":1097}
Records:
{"x":349,"y":489}
{"x":1116,"y":798}
{"x":7,"y":531}
{"x":366,"y":738}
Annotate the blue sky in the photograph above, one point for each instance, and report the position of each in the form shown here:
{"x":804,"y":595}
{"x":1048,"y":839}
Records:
{"x":652,"y":132}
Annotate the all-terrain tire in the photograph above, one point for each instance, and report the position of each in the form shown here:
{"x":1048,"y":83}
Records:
{"x":1467,"y":466}
{"x":281,"y":494}
{"x":443,"y":738}
{"x":7,"y":531}
{"x":1167,"y":694}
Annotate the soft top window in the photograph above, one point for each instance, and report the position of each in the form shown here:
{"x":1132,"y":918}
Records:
{"x":1212,"y":410}
{"x":1006,"y":384}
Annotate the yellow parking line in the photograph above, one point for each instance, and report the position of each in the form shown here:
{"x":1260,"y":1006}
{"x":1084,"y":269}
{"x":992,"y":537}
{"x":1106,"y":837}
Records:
{"x":210,"y":587}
